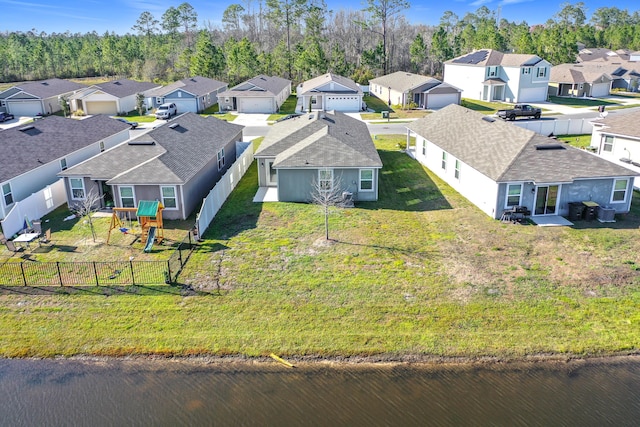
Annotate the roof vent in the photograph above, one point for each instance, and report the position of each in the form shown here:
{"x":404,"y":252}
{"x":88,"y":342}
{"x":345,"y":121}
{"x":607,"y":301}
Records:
{"x":488,"y":119}
{"x":117,"y":83}
{"x":142,"y":141}
{"x":45,"y":84}
{"x":550,"y":147}
{"x":26,"y":128}
{"x":174,"y":125}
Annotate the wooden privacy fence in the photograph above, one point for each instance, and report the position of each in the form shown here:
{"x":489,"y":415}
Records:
{"x":99,"y":273}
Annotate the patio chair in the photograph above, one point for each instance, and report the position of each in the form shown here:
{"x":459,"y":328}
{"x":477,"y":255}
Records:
{"x":47,"y":237}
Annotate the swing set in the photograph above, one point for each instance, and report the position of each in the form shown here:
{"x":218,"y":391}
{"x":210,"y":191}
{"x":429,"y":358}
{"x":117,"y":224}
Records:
{"x":149,"y":214}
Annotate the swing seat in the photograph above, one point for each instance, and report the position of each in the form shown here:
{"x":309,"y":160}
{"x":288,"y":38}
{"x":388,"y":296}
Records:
{"x":124,"y":230}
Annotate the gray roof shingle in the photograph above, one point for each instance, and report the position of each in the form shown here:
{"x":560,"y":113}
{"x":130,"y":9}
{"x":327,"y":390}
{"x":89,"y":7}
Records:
{"x":259,"y":86}
{"x":320,"y":140}
{"x":627,"y":124}
{"x":197,"y":86}
{"x":490,"y":57}
{"x":505,"y":152}
{"x":125,"y":87}
{"x":49,"y":139}
{"x":48,"y":88}
{"x":312,"y":84}
{"x":170,"y":154}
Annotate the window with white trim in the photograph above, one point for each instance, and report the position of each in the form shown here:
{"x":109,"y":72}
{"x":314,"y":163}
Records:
{"x":607,"y":143}
{"x":366,"y":179}
{"x":325,"y":179}
{"x":7,"y":194}
{"x":619,"y":194}
{"x":526,"y":70}
{"x":77,"y":188}
{"x":101,"y":146}
{"x":541,"y":72}
{"x":127,"y":198}
{"x":514,"y":192}
{"x":63,"y":164}
{"x":179,"y":94}
{"x":424,"y":147}
{"x":444,"y":160}
{"x":169,"y":199}
{"x":492,"y":71}
{"x":220,"y":159}
{"x":159,"y":100}
{"x":456,"y":173}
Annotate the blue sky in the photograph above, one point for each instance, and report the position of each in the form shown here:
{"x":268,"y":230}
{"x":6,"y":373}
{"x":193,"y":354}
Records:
{"x":120,"y":15}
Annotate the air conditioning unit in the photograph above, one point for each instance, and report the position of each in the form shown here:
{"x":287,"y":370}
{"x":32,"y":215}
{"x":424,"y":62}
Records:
{"x":606,"y":214}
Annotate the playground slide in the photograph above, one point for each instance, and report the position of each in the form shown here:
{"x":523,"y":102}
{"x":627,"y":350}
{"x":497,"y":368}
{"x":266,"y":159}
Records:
{"x":150,"y":238}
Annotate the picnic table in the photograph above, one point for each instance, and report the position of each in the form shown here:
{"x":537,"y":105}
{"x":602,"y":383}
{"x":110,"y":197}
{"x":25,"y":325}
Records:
{"x":26,"y":238}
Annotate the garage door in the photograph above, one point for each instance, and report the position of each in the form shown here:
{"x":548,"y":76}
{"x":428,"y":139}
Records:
{"x":342,"y":103}
{"x":600,"y":89}
{"x":255,"y":105}
{"x":26,"y":108}
{"x":185,"y":105}
{"x":439,"y":100}
{"x":533,"y":94}
{"x":101,"y":107}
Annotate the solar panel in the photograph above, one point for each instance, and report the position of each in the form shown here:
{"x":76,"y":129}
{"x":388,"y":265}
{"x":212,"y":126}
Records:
{"x":531,"y":62}
{"x":472,"y":58}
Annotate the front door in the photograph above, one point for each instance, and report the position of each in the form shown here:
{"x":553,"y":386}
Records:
{"x":107,"y":195}
{"x":272,"y":174}
{"x":546,"y":200}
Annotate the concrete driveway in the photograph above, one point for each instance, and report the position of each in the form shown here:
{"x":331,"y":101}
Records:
{"x":15,"y":122}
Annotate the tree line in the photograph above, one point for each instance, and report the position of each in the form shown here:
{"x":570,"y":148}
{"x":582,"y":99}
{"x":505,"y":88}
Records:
{"x":299,"y":39}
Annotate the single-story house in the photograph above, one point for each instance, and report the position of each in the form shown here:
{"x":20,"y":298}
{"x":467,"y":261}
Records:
{"x":589,"y":79}
{"x":37,"y":98}
{"x":177,"y":163}
{"x":490,"y":75}
{"x":194,"y":94}
{"x":319,"y":148}
{"x":617,"y":139}
{"x":114,"y":97}
{"x":261,"y":94}
{"x":34,"y":154}
{"x":401,"y":88}
{"x":497,"y":165}
{"x":329,"y":92}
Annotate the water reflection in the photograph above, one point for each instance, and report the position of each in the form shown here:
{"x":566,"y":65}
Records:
{"x":119,"y":392}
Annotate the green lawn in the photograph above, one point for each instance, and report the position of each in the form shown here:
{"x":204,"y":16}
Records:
{"x":288,"y":107}
{"x":580,"y":102}
{"x":420,"y":272}
{"x":484,"y":106}
{"x":580,"y":141}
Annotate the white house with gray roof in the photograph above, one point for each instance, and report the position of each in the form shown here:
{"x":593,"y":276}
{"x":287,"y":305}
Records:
{"x":497,"y":165}
{"x":401,"y":88}
{"x":114,"y":97}
{"x":37,"y":98}
{"x":194,"y":94}
{"x":177,"y":163}
{"x":490,"y":75}
{"x":617,"y":139}
{"x":261,"y":94}
{"x":329,"y":92}
{"x":34,"y":154}
{"x":316,"y":148}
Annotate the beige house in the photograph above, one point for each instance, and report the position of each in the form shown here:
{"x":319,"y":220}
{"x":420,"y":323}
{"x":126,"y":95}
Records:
{"x":402,"y":88}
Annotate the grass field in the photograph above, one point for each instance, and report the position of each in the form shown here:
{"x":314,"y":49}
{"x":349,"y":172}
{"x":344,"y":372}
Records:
{"x":288,"y":107}
{"x":420,"y":272}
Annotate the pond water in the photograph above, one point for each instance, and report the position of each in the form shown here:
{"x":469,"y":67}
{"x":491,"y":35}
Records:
{"x":166,"y":393}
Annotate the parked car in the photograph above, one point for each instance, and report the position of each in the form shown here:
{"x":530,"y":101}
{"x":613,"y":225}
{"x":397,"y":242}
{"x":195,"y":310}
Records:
{"x":166,"y":110}
{"x":6,"y":116}
{"x":125,"y":121}
{"x":520,"y":110}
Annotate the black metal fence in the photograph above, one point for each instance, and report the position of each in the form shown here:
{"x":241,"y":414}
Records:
{"x":99,"y":273}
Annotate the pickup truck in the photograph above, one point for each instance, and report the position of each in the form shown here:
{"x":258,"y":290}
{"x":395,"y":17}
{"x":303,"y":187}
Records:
{"x":520,"y":110}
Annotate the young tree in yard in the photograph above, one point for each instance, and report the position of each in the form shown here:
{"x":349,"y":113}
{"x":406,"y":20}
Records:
{"x":86,"y":207}
{"x":381,"y":12}
{"x":326,"y":192}
{"x":140,"y":104}
{"x":64,"y":105}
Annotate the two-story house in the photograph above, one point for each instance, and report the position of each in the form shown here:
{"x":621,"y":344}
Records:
{"x":490,"y":75}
